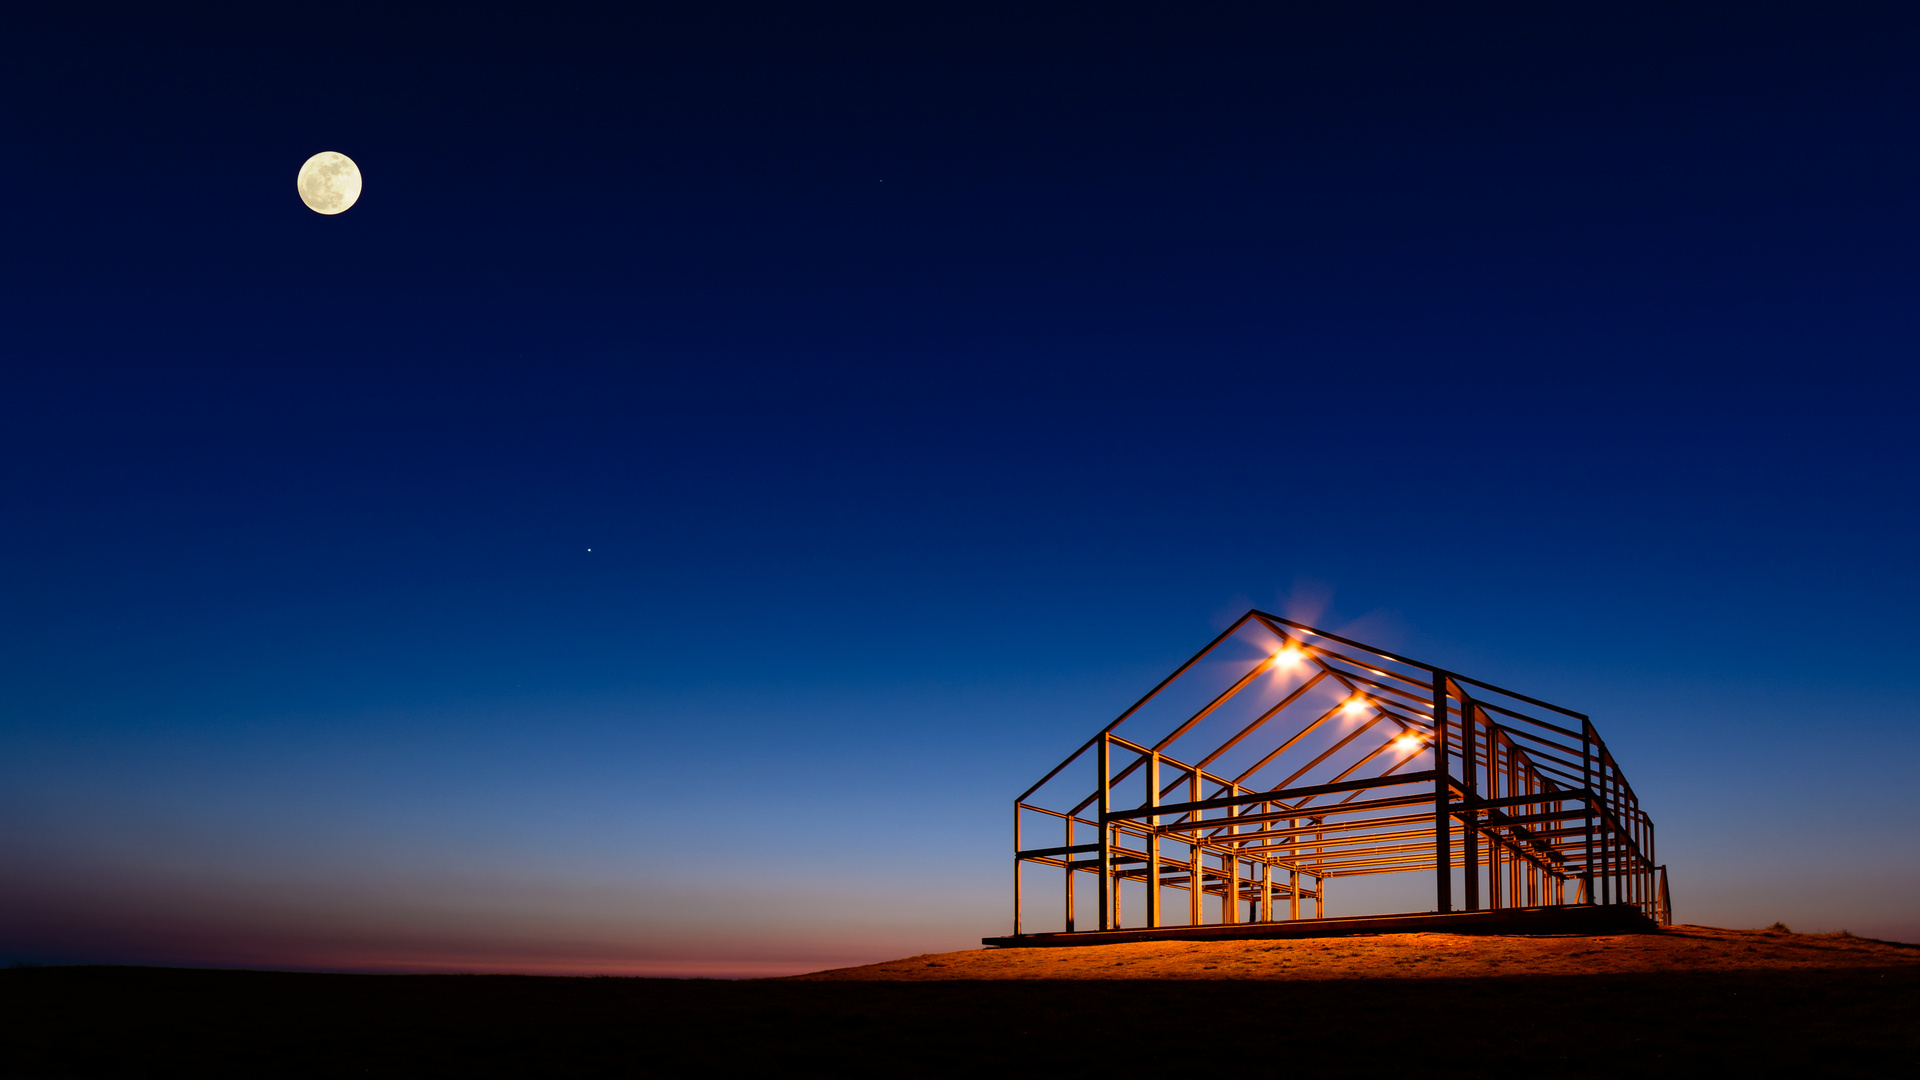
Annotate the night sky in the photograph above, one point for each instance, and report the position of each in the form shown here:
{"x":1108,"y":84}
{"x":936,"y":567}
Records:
{"x":729,"y":452}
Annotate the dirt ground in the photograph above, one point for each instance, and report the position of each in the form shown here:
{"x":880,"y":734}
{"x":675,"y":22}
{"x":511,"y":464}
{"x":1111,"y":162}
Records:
{"x":1691,"y":949}
{"x":1691,"y":1002}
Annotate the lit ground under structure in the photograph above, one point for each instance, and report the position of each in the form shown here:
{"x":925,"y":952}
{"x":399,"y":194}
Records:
{"x":1281,"y":758}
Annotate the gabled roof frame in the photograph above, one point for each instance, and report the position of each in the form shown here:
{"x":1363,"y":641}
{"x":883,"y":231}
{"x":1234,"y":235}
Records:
{"x":1527,"y":808}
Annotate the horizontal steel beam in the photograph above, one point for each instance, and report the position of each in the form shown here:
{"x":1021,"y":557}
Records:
{"x":1398,"y":780}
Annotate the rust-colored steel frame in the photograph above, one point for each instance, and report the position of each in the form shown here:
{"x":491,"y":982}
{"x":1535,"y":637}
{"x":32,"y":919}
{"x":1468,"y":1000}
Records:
{"x":1525,"y":802}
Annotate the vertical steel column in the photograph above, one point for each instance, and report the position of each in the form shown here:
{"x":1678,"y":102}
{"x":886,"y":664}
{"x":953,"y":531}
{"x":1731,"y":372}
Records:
{"x":1266,"y":891}
{"x":1442,"y":796}
{"x":1106,"y":832}
{"x":1640,"y":864}
{"x":1516,"y":856}
{"x":1543,"y":866}
{"x":1195,"y":894}
{"x":1656,"y":876}
{"x":1230,"y":896}
{"x":1618,"y":805}
{"x":1068,"y":859}
{"x":1293,"y":870}
{"x":1533,"y":868}
{"x":1470,"y":780}
{"x":1320,"y":880}
{"x":1609,"y":830}
{"x":1603,"y":826}
{"x":1497,"y":849}
{"x":1646,"y":855}
{"x":1630,"y":885}
{"x":1016,"y":869}
{"x":1153,"y":840}
{"x":1586,"y":781}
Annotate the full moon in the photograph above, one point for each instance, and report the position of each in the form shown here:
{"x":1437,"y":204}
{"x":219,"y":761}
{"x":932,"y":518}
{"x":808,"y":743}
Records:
{"x":329,"y":182}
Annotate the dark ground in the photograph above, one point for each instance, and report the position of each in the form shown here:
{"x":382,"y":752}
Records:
{"x":65,"y":1021}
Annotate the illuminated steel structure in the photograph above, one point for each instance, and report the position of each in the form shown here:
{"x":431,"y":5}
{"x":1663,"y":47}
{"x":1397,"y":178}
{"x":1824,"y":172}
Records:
{"x":1290,"y":757}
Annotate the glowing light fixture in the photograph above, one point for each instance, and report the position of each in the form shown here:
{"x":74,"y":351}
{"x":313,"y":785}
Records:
{"x":1356,"y":705}
{"x":1287,"y":656}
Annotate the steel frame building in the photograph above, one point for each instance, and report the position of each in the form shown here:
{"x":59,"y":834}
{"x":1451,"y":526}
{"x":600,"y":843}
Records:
{"x":1291,"y":757}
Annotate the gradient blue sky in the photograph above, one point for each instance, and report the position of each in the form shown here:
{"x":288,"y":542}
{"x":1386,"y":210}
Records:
{"x":927,"y":382}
